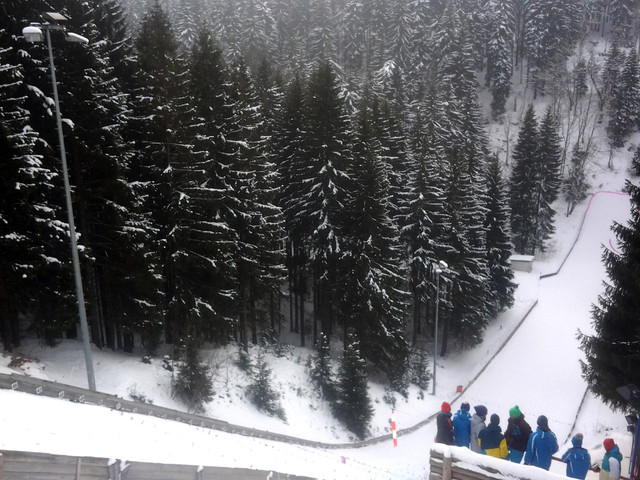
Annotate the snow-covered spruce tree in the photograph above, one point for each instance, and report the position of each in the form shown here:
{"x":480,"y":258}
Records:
{"x":635,"y":161}
{"x":615,"y":59}
{"x":122,"y":290}
{"x":624,"y":111}
{"x":500,"y":48}
{"x":465,"y":306}
{"x":200,"y":266}
{"x":535,"y":182}
{"x":327,"y":156}
{"x":244,"y":361}
{"x":154,"y":130}
{"x":400,"y":34}
{"x":457,"y":65}
{"x":287,"y":149}
{"x":393,"y":153}
{"x":290,"y":36}
{"x":269,"y":87}
{"x":476,"y":18}
{"x":371,"y":285}
{"x":576,"y":182}
{"x":261,"y":392}
{"x":552,"y":28}
{"x":424,"y":221}
{"x":353,"y":403}
{"x":96,"y":157}
{"x":612,"y":353}
{"x":320,"y":369}
{"x":256,"y":223}
{"x":501,"y":287}
{"x":548,"y":160}
{"x":466,"y":309}
{"x":186,"y":17}
{"x":226,"y":28}
{"x":425,"y":217}
{"x":522,"y":186}
{"x":35,"y":269}
{"x":129,"y":293}
{"x":352,"y":40}
{"x":624,"y":14}
{"x":580,"y":78}
{"x":193,"y":382}
{"x":257,"y":31}
{"x":320,"y":35}
{"x":419,"y":371}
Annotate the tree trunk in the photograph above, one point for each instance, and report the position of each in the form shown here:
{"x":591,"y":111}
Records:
{"x":9,"y":325}
{"x":416,"y":315}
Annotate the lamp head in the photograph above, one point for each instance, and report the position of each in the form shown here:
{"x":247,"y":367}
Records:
{"x":54,"y":17}
{"x":75,"y":38}
{"x":33,"y":34}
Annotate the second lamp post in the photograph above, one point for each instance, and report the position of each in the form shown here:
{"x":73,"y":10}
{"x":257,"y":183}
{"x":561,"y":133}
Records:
{"x":442,"y":265}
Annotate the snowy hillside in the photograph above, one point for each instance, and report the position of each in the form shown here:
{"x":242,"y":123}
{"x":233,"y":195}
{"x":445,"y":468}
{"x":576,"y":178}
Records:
{"x":537,"y":370}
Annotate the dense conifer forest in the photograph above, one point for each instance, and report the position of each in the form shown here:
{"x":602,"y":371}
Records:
{"x":241,"y":168}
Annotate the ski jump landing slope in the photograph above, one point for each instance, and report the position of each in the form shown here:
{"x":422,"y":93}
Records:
{"x":539,"y":369}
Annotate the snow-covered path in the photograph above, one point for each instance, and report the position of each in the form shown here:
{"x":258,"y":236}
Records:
{"x":538,"y":365}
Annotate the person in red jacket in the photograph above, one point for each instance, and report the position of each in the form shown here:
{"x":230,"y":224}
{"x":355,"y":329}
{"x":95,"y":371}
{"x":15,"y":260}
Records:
{"x":445,"y":427}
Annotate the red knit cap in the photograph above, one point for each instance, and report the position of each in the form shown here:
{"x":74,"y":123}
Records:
{"x":608,"y":444}
{"x":446,"y":408}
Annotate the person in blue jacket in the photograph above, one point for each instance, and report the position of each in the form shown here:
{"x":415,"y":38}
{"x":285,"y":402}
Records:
{"x":462,"y":426}
{"x":577,"y":459}
{"x":541,"y":446}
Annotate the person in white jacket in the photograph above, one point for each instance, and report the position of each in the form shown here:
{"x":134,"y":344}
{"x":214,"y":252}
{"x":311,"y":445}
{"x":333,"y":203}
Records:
{"x":610,"y":468}
{"x":478,"y":422}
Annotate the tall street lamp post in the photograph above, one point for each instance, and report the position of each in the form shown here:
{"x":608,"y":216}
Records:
{"x":37,"y":32}
{"x":442,"y":265}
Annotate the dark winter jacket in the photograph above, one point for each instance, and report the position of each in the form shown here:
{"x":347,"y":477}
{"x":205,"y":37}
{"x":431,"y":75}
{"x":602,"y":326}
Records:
{"x":445,"y":429}
{"x":491,"y":440}
{"x":541,"y":447}
{"x":462,"y":428}
{"x":517,"y":433}
{"x":477,"y":425}
{"x":578,"y":462}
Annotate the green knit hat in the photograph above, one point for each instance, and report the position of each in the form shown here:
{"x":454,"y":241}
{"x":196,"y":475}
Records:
{"x":515,"y":412}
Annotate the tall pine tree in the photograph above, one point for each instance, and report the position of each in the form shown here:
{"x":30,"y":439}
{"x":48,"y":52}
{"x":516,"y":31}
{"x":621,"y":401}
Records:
{"x":522,"y":186}
{"x":612,"y":353}
{"x":372,"y":282}
{"x":502,"y":288}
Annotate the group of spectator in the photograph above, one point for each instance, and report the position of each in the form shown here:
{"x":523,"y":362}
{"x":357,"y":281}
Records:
{"x":519,"y":441}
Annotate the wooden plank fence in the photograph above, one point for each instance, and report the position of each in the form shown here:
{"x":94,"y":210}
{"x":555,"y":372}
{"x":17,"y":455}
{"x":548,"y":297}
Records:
{"x":41,"y":466}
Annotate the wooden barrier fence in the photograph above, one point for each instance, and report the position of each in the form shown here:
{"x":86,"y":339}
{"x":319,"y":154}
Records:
{"x":42,"y":466}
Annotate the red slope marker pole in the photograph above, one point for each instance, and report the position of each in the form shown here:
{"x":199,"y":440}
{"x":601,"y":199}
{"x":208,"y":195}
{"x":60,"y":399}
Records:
{"x":393,"y":428}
